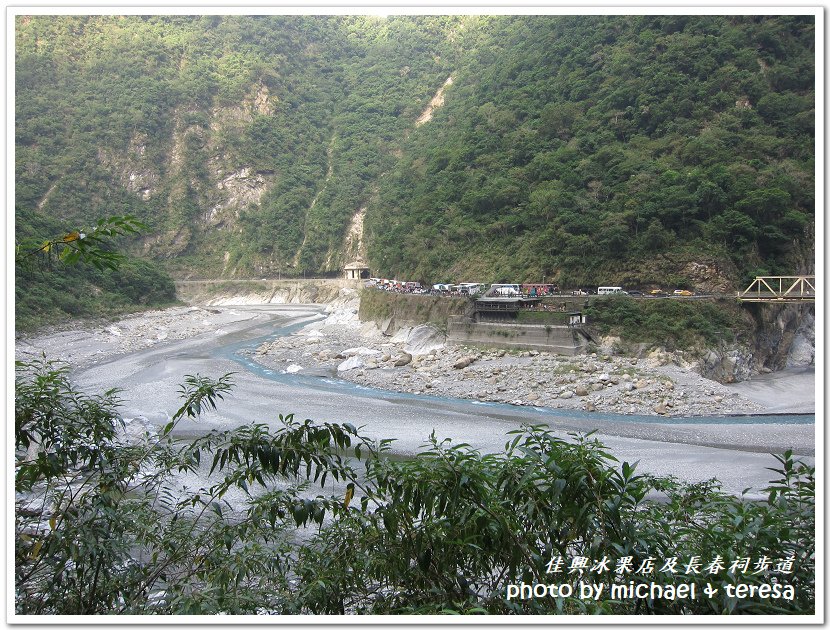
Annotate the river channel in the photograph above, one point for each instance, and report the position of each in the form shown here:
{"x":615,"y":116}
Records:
{"x":736,"y":450}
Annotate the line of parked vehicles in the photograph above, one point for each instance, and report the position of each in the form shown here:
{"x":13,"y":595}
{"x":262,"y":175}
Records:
{"x":651,"y":293}
{"x":513,"y":290}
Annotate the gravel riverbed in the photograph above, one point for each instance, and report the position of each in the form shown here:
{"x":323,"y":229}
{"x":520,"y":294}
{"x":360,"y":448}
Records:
{"x":418,"y":361}
{"x":147,"y":356}
{"x":85,"y":343}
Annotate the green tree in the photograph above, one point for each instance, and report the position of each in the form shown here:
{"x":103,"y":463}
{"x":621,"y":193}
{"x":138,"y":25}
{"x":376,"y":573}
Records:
{"x":103,"y":525}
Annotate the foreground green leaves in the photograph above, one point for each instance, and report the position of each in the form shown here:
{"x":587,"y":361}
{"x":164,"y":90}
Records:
{"x":89,"y":245}
{"x":317,"y":518}
{"x":49,"y":287}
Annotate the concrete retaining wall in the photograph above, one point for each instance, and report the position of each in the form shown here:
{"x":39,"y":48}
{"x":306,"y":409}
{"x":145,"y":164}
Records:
{"x":393,"y":311}
{"x":558,"y":339}
{"x":225,"y":292}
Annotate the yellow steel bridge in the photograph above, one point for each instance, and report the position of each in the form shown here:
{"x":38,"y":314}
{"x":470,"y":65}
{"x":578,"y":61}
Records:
{"x":780,"y":289}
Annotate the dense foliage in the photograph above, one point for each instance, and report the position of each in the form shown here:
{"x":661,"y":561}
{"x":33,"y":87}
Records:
{"x":152,"y":112}
{"x":107,"y":523}
{"x":579,"y":148}
{"x":568,"y":148}
{"x":672,"y":323}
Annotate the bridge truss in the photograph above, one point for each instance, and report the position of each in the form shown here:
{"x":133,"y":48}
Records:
{"x":780,"y":289}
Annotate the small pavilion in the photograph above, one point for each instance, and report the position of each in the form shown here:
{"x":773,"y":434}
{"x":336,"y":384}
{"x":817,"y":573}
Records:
{"x":356,"y":271}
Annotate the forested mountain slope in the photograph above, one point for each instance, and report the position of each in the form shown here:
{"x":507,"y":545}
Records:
{"x":583,"y":149}
{"x":612,"y":148}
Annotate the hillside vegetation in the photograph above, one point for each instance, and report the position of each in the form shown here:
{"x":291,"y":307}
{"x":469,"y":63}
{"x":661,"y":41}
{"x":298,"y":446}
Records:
{"x":625,"y":149}
{"x":586,"y":148}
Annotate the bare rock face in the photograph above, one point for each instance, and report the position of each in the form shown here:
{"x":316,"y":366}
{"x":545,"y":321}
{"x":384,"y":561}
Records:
{"x":424,"y":339}
{"x":803,"y":349}
{"x":727,"y":366}
{"x":708,"y":276}
{"x":777,"y":329}
{"x":241,"y":187}
{"x":658,"y":357}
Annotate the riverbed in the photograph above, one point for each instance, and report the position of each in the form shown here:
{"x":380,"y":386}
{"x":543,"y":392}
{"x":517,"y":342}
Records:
{"x":148,"y":356}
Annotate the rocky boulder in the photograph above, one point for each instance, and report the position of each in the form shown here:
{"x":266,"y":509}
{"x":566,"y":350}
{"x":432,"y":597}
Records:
{"x":365,"y":352}
{"x":401,"y":335}
{"x":370,"y":330}
{"x":424,"y":339}
{"x":726,"y":367}
{"x":658,"y":357}
{"x":351,"y":363}
{"x":345,"y":317}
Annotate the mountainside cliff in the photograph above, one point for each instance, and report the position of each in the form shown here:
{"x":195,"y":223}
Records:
{"x":667,"y":150}
{"x":249,"y":144}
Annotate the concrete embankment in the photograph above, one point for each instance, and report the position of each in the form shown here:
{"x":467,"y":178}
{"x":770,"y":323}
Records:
{"x":557,"y":339}
{"x":267,"y":291}
{"x":394,"y":311}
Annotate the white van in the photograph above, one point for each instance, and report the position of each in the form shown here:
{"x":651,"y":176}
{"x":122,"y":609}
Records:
{"x":611,"y":291}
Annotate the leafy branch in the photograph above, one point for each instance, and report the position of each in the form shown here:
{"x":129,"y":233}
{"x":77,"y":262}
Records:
{"x":89,"y":245}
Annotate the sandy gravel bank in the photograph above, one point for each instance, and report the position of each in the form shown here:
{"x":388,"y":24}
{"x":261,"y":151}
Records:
{"x":87,"y":345}
{"x":417,"y":361}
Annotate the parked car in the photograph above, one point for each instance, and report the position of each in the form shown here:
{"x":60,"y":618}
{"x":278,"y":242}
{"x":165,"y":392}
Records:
{"x":635,"y":293}
{"x":657,"y":292}
{"x":683,"y":292}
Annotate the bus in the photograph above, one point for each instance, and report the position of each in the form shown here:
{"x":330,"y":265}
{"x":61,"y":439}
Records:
{"x":611,"y":291}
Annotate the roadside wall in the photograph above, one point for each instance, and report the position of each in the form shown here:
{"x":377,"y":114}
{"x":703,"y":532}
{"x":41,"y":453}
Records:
{"x":393,"y":311}
{"x":558,"y":339}
{"x":271,"y":291}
